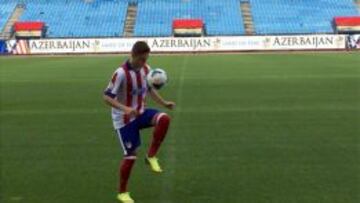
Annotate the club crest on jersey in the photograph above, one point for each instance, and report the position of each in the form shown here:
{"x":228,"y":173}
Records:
{"x":113,"y":79}
{"x":128,"y":144}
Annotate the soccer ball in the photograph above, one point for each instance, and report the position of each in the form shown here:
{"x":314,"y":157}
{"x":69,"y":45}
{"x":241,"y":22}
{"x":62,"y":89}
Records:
{"x":156,"y":78}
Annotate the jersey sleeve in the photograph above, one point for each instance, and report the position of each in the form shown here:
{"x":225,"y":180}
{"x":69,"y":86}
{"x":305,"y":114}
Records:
{"x":115,"y":83}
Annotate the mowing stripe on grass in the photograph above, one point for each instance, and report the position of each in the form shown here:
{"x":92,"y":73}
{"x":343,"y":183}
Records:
{"x":167,"y":185}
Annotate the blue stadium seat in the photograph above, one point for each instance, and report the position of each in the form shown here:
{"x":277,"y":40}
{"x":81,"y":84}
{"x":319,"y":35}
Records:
{"x":155,"y":17}
{"x":300,"y":16}
{"x":76,"y":18}
{"x":6,"y":9}
{"x":106,"y":18}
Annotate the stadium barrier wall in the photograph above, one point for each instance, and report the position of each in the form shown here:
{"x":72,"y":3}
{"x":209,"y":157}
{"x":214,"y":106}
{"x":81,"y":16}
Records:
{"x":353,"y":42}
{"x":3,"y":47}
{"x":178,"y":45}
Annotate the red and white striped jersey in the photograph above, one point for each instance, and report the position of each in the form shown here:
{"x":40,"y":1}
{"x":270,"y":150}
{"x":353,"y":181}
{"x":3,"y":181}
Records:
{"x":129,"y":87}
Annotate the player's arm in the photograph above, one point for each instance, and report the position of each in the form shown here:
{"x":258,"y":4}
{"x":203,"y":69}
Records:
{"x":116,"y":104}
{"x":158,"y":99}
{"x":110,"y":92}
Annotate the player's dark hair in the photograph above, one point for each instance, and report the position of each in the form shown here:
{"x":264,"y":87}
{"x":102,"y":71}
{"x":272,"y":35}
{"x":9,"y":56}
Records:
{"x":140,"y":47}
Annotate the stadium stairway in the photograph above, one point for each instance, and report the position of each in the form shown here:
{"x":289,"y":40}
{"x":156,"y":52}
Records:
{"x":358,"y":4}
{"x":130,"y":20}
{"x":7,"y":31}
{"x":247,"y":16}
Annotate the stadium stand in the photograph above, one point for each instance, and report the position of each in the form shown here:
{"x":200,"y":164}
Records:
{"x":299,"y":16}
{"x":113,"y":18}
{"x":220,"y":17}
{"x":6,"y":9}
{"x":85,"y":19}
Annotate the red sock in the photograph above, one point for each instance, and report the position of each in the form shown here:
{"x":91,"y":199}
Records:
{"x":124,"y":172}
{"x":161,"y":127}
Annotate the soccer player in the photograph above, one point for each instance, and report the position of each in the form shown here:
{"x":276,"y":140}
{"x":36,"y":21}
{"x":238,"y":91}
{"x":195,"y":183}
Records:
{"x":126,"y":94}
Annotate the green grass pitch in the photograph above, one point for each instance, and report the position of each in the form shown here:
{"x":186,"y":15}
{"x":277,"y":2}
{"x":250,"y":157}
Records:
{"x":252,"y":128}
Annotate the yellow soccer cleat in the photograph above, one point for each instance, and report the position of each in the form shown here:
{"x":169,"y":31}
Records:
{"x":154,"y":164}
{"x":125,"y":198}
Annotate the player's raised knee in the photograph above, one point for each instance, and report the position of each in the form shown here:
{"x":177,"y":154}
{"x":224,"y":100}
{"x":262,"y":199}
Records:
{"x":163,"y":119}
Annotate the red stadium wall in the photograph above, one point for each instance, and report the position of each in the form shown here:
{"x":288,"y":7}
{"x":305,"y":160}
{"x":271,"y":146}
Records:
{"x":347,"y":24}
{"x":29,"y":29}
{"x":188,"y":27}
